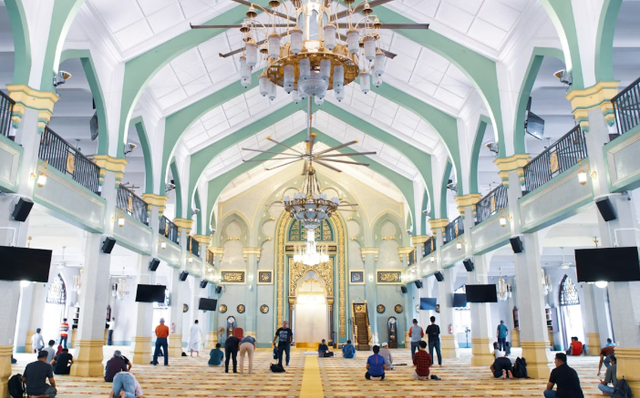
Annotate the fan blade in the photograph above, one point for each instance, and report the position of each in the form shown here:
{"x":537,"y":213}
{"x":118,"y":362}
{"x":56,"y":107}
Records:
{"x":281,"y":144}
{"x":264,"y":160}
{"x":233,"y":26}
{"x":281,"y":165}
{"x":347,"y":154}
{"x":346,"y":162}
{"x":359,"y":8}
{"x":328,"y":166}
{"x":238,"y":50}
{"x":421,"y":26}
{"x":261,"y":151}
{"x":281,"y":15}
{"x":336,"y":147}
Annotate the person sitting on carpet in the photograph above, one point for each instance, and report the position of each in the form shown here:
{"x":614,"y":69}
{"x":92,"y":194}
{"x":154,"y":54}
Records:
{"x":117,"y":363}
{"x":496,"y":351}
{"x":565,"y":378}
{"x":501,"y":368}
{"x":125,"y":385}
{"x":216,"y":355}
{"x":62,"y":363}
{"x":576,"y":347}
{"x":422,"y":361}
{"x":323,"y":350}
{"x":35,"y":377}
{"x":386,"y":354}
{"x":375,"y":366}
{"x":348,"y":350}
{"x":609,"y":377}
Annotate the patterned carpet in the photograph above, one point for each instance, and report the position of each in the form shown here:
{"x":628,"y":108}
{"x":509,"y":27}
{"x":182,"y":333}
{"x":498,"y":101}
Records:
{"x":191,"y":377}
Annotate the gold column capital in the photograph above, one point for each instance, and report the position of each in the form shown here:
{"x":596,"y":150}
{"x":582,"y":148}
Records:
{"x":404,"y":251}
{"x":420,"y":239}
{"x":183,"y":223}
{"x":512,"y":163}
{"x":114,"y":165}
{"x":246,"y":251}
{"x":596,"y":96}
{"x":202,"y":238}
{"x":366,"y":251}
{"x":27,"y":97}
{"x":438,"y":224}
{"x":466,"y":201}
{"x":153,"y":200}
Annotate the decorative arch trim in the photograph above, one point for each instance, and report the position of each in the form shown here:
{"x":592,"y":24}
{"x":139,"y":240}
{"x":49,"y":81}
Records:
{"x":138,"y":123}
{"x":21,"y":41}
{"x":475,"y":153}
{"x":178,"y":190}
{"x":604,"y":40}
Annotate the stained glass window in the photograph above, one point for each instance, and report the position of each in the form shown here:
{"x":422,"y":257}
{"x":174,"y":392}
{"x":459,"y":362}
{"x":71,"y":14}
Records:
{"x":57,"y":293}
{"x":568,"y":292}
{"x":324,"y":233}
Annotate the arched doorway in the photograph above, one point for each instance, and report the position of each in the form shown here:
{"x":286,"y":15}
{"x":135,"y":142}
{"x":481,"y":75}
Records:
{"x":55,"y":309}
{"x":570,"y":311}
{"x":310,"y":314}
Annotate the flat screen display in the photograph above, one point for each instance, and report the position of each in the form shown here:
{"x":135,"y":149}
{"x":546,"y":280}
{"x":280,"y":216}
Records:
{"x":610,"y":264}
{"x":150,"y":293}
{"x":207,"y":304}
{"x":428,"y":304}
{"x":24,"y":264}
{"x":459,"y":300}
{"x":482,"y":293}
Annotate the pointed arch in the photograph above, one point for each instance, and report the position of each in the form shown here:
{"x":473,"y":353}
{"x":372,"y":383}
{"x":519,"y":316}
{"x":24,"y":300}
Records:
{"x":604,"y":40}
{"x":178,"y":190}
{"x":21,"y":41}
{"x":57,"y":292}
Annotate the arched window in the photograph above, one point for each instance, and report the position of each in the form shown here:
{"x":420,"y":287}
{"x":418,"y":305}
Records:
{"x":568,"y":292}
{"x":57,"y":293}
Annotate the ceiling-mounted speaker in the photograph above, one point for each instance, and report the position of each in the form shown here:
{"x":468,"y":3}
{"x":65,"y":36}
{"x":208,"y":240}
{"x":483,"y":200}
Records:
{"x":108,"y":244}
{"x":203,"y":284}
{"x":183,"y":276}
{"x":218,"y":289}
{"x":153,"y":264}
{"x":22,"y":209}
{"x":418,"y":284}
{"x":468,"y":264}
{"x":516,"y":244}
{"x":404,"y":289}
{"x":439,"y":276}
{"x":606,"y":209}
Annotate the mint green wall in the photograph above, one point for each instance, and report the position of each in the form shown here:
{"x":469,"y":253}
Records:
{"x":138,"y":123}
{"x":21,"y":41}
{"x":443,"y":190}
{"x":475,"y":153}
{"x":178,"y":190}
{"x":604,"y":40}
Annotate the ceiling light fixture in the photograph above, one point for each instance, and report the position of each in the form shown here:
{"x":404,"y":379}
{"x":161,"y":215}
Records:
{"x":308,"y":254}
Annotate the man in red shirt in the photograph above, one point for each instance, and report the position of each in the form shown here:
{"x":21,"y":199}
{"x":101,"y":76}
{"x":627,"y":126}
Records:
{"x":422,"y":361}
{"x":64,"y":333}
{"x":576,"y":347}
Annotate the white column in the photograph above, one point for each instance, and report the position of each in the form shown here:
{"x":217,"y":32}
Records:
{"x":143,"y":317}
{"x":481,"y":336}
{"x":449,"y":342}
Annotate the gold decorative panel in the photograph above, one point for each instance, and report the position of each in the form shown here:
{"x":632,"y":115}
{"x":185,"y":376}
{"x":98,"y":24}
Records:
{"x":297,"y":271}
{"x":356,"y":277}
{"x":232,"y":277}
{"x":389,"y":277}
{"x":265,"y":277}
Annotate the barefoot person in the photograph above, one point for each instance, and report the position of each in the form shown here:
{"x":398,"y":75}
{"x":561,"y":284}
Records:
{"x":501,"y":368}
{"x":35,"y":376}
{"x":422,"y":361}
{"x":195,"y":338}
{"x":375,"y":366}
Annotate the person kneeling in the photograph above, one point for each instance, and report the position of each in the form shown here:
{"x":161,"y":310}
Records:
{"x":125,"y":385}
{"x":375,"y":365}
{"x":323,"y":350}
{"x":348,"y":350}
{"x":422,"y":361}
{"x":501,"y":368}
{"x":216,"y":355}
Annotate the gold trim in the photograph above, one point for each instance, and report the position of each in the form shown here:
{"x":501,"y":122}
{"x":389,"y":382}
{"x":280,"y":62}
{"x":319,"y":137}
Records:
{"x":388,"y":277}
{"x":512,"y":163}
{"x":27,"y":97}
{"x":246,"y":251}
{"x":438,"y":224}
{"x":113,"y":165}
{"x":235,"y":277}
{"x":265,"y":280}
{"x":366,"y":251}
{"x":183,"y":223}
{"x":362,"y":282}
{"x":596,"y":96}
{"x":419,"y":240}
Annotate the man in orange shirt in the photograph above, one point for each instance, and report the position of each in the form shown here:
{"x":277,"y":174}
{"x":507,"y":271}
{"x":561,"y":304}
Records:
{"x":64,"y":333}
{"x":162,"y":333}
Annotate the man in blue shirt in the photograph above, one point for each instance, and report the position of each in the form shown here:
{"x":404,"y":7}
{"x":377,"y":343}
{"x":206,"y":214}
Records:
{"x":348,"y":350}
{"x":375,"y":365}
{"x":502,"y":335}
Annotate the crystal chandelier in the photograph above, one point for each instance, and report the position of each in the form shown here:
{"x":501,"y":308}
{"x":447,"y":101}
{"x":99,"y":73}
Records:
{"x":120,"y":289}
{"x":77,"y":282}
{"x":546,"y":283}
{"x":310,"y":206}
{"x":504,"y":289}
{"x":308,"y":254}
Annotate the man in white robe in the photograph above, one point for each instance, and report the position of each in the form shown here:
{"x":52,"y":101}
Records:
{"x":195,"y":338}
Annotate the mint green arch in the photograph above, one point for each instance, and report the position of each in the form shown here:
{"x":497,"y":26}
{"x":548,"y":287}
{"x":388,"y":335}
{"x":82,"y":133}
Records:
{"x":176,"y":180}
{"x":218,"y":184}
{"x":443,"y":189}
{"x":21,"y":41}
{"x":475,"y":153}
{"x":64,"y":11}
{"x":562,"y":16}
{"x":96,"y":91}
{"x":377,"y":228}
{"x":525,"y":92}
{"x":425,"y":204}
{"x":604,"y":40}
{"x":138,"y":124}
{"x":196,"y":200}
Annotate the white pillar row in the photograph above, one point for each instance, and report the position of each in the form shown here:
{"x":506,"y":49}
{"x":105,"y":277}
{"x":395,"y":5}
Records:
{"x":143,"y":317}
{"x":177,"y":301}
{"x":448,"y":339}
{"x":481,"y":336}
{"x":251,"y":297}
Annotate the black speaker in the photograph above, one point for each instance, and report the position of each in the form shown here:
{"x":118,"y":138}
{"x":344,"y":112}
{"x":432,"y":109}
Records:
{"x":183,"y":276}
{"x":516,"y":244}
{"x":468,"y":264}
{"x":418,"y":284}
{"x":22,"y":209}
{"x":439,"y":276}
{"x":153,"y":264}
{"x":108,"y":244}
{"x":218,"y":289}
{"x":403,"y":288}
{"x":605,"y":207}
{"x":203,"y":284}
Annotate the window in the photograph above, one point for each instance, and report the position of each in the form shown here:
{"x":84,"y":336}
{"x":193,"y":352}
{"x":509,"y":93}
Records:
{"x":568,"y":292}
{"x":57,"y":293}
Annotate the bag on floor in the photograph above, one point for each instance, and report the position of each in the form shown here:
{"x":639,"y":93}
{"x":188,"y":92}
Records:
{"x":520,"y":369}
{"x":16,"y":388}
{"x":275,"y":368}
{"x":622,"y":389}
{"x":275,"y":352}
{"x":328,"y":354}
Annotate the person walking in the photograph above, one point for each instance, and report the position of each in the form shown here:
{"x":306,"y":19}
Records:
{"x":284,"y":335}
{"x":195,"y":335}
{"x":64,"y":333}
{"x":416,"y":334}
{"x":112,"y":327}
{"x":37,"y":341}
{"x":162,"y":333}
{"x":248,"y":345}
{"x":433,"y":336}
{"x":231,"y":348}
{"x":502,"y":335}
{"x":565,"y":378}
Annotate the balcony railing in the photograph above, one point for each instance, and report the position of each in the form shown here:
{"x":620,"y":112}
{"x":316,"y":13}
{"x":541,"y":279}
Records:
{"x":412,"y":258}
{"x":429,"y":246}
{"x":492,"y":203}
{"x":627,"y":107}
{"x":193,"y":246}
{"x":169,"y":230}
{"x":211,"y":259}
{"x":454,"y":229}
{"x":555,"y":160}
{"x":6,"y":108}
{"x":132,"y":204}
{"x":63,"y":157}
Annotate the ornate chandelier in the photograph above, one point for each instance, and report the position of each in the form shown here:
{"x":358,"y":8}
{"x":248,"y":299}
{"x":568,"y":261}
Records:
{"x":546,"y":283}
{"x":504,"y":289}
{"x":120,"y":289}
{"x":308,"y":254}
{"x":310,"y":206}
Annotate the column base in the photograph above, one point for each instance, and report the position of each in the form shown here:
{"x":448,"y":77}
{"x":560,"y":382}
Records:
{"x":480,"y":353}
{"x":106,"y":333}
{"x":448,"y":346}
{"x":210,"y":340}
{"x":88,"y":359}
{"x":27,"y":345}
{"x":175,"y":345}
{"x":535,"y":352}
{"x":515,"y":338}
{"x":593,"y":344}
{"x":73,"y":343}
{"x":141,"y":350}
{"x":5,"y":369}
{"x":407,"y":341}
{"x":629,"y":367}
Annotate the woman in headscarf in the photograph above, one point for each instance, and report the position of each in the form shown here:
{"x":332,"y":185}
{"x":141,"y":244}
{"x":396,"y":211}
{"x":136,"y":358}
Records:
{"x":231,"y":348}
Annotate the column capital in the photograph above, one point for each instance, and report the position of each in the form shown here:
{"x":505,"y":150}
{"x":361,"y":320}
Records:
{"x":419,"y":240}
{"x":466,"y":201}
{"x":153,"y":200}
{"x":26,"y":97}
{"x":512,"y":163}
{"x":183,"y":223}
{"x":246,"y":251}
{"x":201,"y":238}
{"x":113,"y":165}
{"x":438,"y":224}
{"x":596,"y":96}
{"x":366,"y":251}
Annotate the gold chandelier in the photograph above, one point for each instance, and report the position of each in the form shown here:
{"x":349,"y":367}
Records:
{"x":310,"y":206}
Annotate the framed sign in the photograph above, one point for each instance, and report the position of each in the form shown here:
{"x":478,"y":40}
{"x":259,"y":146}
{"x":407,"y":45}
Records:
{"x":380,"y":308}
{"x":264,"y":308}
{"x":233,"y":277}
{"x":398,"y":309}
{"x":265,"y":277}
{"x":222,"y":308}
{"x":356,"y":277}
{"x":241,"y":308}
{"x":389,"y":277}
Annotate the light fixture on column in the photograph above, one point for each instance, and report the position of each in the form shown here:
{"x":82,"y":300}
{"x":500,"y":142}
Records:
{"x":503,"y":221}
{"x":602,"y":284}
{"x":582,"y":177}
{"x":190,"y":260}
{"x":41,"y":179}
{"x":459,"y":245}
{"x":433,"y":259}
{"x":546,"y":282}
{"x":163,"y":244}
{"x":121,"y":221}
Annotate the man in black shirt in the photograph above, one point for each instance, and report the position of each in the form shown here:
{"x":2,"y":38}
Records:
{"x":501,"y":368}
{"x":62,"y":363}
{"x":35,"y":375}
{"x":284,"y":335}
{"x":565,"y":378}
{"x":433,"y":332}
